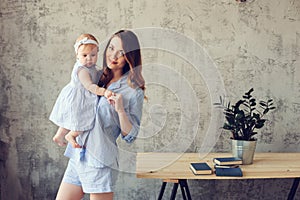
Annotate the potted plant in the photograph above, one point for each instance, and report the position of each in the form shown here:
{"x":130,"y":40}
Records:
{"x":243,"y":119}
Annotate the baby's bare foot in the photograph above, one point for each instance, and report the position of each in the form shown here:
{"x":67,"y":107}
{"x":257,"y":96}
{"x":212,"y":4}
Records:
{"x":59,"y":140}
{"x":70,"y":138}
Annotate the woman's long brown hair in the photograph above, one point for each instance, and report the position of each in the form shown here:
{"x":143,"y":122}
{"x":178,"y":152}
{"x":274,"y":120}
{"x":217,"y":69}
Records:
{"x":132,"y":57}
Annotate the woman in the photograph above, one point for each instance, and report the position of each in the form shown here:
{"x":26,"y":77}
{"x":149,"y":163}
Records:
{"x":93,"y":169}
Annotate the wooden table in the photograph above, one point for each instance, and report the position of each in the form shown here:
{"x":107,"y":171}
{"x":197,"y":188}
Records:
{"x":174,"y":167}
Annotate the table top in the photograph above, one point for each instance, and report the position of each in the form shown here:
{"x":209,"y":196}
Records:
{"x":176,"y":165}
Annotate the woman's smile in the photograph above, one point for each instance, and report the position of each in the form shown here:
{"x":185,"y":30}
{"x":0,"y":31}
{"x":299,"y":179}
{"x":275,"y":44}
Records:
{"x":114,"y":62}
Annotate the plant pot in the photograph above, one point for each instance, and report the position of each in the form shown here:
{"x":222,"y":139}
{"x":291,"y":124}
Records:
{"x":244,"y":150}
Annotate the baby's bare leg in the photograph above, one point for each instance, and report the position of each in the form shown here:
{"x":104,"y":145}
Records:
{"x":59,"y":137}
{"x":71,"y":137}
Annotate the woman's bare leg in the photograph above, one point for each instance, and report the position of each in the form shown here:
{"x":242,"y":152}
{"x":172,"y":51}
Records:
{"x":69,"y":191}
{"x":71,"y":137}
{"x":59,"y":137}
{"x":102,"y":196}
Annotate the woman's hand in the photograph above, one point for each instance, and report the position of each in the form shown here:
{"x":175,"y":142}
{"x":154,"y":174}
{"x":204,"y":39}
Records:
{"x":108,"y":93}
{"x":117,"y":101}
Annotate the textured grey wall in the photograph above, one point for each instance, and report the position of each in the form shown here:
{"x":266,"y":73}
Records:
{"x":254,"y":44}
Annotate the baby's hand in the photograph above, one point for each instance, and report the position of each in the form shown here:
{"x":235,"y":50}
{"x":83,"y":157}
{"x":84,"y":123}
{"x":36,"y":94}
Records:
{"x":108,"y":93}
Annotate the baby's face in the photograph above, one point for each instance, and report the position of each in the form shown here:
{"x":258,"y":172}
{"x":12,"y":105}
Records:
{"x":87,"y":54}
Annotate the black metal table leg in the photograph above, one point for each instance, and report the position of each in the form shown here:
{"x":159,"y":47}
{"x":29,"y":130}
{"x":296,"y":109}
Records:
{"x":294,"y":189}
{"x":162,"y":190}
{"x":182,"y":191}
{"x":185,"y":189}
{"x":183,"y":186}
{"x":174,"y":191}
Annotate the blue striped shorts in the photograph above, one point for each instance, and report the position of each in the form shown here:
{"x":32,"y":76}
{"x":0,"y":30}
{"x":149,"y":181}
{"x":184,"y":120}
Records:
{"x":91,"y":179}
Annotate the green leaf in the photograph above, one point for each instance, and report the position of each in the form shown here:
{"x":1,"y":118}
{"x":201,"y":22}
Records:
{"x":239,"y":103}
{"x":263,"y":104}
{"x":256,"y":116}
{"x":240,"y":115}
{"x":230,"y":119}
{"x":228,"y":105}
{"x":260,"y":123}
{"x":253,"y":133}
{"x":249,"y":92}
{"x":246,"y":96}
{"x":227,"y":127}
{"x":266,"y":111}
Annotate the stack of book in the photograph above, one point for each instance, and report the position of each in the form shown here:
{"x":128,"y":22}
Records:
{"x":228,"y":166}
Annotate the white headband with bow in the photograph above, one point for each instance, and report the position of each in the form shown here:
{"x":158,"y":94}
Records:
{"x":84,"y":41}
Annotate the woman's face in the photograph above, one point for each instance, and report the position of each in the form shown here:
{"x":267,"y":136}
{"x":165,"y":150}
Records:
{"x":115,"y":55}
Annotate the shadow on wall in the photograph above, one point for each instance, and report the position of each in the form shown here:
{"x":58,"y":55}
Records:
{"x":3,"y":157}
{"x":4,"y":134}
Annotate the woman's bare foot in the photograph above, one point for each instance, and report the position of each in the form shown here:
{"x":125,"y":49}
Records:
{"x":71,"y":138}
